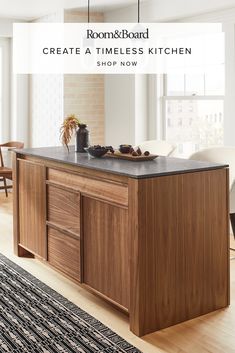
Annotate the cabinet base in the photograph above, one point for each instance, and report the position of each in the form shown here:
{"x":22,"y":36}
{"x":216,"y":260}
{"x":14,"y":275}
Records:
{"x":22,"y":252}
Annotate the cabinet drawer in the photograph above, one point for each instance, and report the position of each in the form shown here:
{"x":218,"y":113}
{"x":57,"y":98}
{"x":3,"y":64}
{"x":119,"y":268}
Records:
{"x":114,"y":192}
{"x":64,"y":253}
{"x":64,"y":208}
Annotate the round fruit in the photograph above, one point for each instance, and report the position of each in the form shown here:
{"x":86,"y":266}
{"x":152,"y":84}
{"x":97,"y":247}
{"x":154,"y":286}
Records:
{"x":146,"y":153}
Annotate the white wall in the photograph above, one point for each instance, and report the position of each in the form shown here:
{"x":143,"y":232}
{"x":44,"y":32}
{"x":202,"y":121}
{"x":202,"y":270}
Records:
{"x":125,"y":97}
{"x":126,"y":109}
{"x":5,"y":89}
{"x":119,"y":109}
{"x":6,"y":27}
{"x":141,"y":108}
{"x":19,"y":125}
{"x":14,"y":125}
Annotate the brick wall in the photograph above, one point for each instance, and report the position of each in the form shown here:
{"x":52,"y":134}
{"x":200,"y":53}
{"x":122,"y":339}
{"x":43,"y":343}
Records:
{"x":84,"y":94}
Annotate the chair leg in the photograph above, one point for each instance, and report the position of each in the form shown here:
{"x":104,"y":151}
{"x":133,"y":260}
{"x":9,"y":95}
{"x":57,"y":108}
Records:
{"x":5,"y":186}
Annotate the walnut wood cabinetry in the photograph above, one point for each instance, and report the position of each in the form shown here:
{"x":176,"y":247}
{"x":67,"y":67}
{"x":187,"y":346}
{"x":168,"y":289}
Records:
{"x":156,"y":247}
{"x":64,"y":253}
{"x":64,"y":230}
{"x":32,"y":207}
{"x":106,"y":250}
{"x":63,"y":209}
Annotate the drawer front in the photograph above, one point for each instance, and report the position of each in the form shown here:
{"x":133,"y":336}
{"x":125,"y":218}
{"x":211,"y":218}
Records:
{"x":64,"y":209}
{"x":64,"y":253}
{"x":105,"y":190}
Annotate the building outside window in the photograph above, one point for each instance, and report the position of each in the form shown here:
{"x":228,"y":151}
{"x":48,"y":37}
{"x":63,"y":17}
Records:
{"x":194,"y":106}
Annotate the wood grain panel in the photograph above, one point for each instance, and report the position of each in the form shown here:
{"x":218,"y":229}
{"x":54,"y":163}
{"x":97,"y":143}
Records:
{"x":106,"y":250}
{"x":179,"y":253}
{"x":110,"y":191}
{"x":64,"y":208}
{"x":18,"y":250}
{"x":32,"y":207}
{"x":16,"y":228}
{"x":76,"y":169}
{"x":64,"y":253}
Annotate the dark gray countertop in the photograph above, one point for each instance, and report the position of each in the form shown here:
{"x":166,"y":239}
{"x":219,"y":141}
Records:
{"x":158,"y":167}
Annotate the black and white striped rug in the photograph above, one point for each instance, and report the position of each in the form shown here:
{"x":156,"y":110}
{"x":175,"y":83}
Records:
{"x":36,"y":319}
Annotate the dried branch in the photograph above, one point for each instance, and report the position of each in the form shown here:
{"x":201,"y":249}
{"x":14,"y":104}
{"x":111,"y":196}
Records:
{"x":67,"y":129}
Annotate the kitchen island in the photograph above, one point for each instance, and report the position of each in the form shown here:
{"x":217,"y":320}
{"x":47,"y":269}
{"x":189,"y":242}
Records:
{"x":152,"y":238}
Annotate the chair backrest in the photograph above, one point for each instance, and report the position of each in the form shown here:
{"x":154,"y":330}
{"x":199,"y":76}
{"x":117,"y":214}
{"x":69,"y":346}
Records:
{"x":223,"y":155}
{"x":13,"y":144}
{"x":159,"y":147}
{"x":9,"y":145}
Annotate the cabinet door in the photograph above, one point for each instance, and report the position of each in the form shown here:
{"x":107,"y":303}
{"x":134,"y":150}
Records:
{"x":106,"y":249}
{"x":32,"y":207}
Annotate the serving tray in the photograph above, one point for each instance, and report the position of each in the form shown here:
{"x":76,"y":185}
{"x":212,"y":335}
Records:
{"x":129,"y":157}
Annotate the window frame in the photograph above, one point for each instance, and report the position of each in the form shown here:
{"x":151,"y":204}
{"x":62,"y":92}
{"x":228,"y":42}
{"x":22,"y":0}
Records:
{"x":164,"y":98}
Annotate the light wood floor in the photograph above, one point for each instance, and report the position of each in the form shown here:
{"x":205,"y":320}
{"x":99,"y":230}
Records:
{"x":210,"y":333}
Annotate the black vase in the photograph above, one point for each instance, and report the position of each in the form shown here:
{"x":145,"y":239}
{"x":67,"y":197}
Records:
{"x":82,"y":138}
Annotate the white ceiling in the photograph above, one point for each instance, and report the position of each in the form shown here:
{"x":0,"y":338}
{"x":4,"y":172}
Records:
{"x":30,"y":9}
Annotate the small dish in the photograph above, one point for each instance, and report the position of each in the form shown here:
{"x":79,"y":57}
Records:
{"x":125,"y":148}
{"x":96,"y":152}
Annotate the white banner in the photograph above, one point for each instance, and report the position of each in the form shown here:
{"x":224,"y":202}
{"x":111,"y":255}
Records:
{"x":117,"y":48}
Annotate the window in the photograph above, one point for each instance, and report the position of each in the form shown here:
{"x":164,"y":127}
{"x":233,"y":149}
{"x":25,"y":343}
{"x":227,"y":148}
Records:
{"x":195,"y":106}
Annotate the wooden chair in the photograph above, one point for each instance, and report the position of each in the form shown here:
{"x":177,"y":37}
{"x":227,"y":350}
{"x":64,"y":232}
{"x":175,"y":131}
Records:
{"x":5,"y":172}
